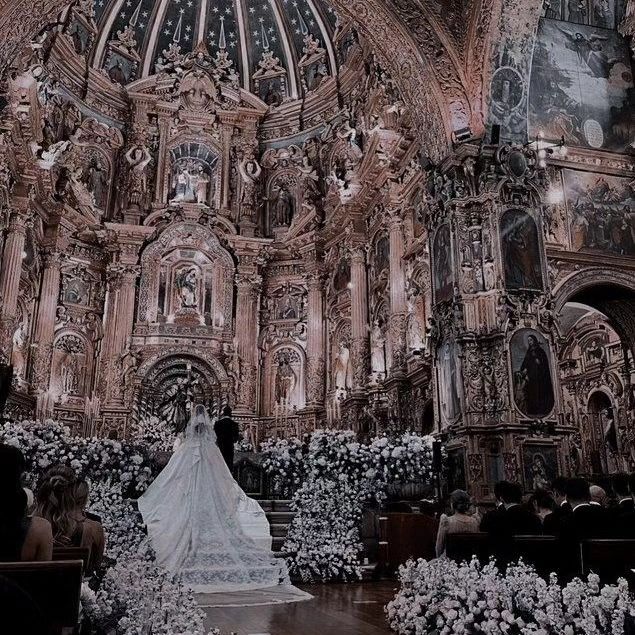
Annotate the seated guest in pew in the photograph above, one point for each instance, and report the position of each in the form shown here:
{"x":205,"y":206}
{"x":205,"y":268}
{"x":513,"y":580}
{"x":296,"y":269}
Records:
{"x":542,"y":504}
{"x":553,"y":523}
{"x":61,"y":499}
{"x":490,"y":517}
{"x":463,"y":520}
{"x":22,"y":539}
{"x":598,"y":496}
{"x":624,"y":500}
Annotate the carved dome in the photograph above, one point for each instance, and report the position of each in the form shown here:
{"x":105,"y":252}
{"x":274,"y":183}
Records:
{"x":278,"y":49}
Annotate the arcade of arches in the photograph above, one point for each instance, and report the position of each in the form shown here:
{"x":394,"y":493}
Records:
{"x":370,"y":215}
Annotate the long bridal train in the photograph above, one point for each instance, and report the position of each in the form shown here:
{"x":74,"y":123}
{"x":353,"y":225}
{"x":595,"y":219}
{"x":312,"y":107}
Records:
{"x":202,"y":525}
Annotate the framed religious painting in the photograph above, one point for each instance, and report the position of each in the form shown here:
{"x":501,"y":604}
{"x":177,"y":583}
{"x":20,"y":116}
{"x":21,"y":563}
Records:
{"x":532,"y":373}
{"x":443,"y":266}
{"x":448,"y":382}
{"x":521,"y":251}
{"x":456,"y":469}
{"x":540,"y":465}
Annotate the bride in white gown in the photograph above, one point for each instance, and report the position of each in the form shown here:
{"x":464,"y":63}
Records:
{"x":201,"y":524}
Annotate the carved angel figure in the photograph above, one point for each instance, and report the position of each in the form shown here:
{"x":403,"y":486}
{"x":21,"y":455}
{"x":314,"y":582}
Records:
{"x":197,"y":89}
{"x":250,"y":172}
{"x":138,"y":158}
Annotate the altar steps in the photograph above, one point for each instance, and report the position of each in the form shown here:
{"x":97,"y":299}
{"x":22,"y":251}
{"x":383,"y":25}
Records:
{"x":280,"y":516}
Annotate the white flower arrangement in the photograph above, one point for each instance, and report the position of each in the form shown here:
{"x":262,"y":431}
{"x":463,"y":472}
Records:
{"x":156,"y":434}
{"x":284,"y":463}
{"x":338,"y":475}
{"x":131,"y":595}
{"x":445,"y":597}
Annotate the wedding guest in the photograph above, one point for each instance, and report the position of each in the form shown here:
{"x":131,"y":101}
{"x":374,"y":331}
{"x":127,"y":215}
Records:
{"x":462,"y":520}
{"x":542,"y":503}
{"x":21,"y":538}
{"x":553,"y":522}
{"x":227,"y":433}
{"x":491,"y":517}
{"x":61,"y":499}
{"x":622,"y":515}
{"x":598,"y":496}
{"x":518,"y":519}
{"x":585,"y":522}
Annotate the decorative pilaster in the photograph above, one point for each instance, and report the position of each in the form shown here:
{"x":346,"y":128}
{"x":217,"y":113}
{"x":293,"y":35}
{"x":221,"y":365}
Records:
{"x":42,"y":349}
{"x":316,"y":364}
{"x":360,"y":353}
{"x":10,"y":273}
{"x":398,"y":311}
{"x":247,"y":304}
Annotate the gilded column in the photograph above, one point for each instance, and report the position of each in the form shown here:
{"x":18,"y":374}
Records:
{"x":247,"y":304}
{"x":359,"y":318}
{"x":398,"y":310}
{"x":10,"y":273}
{"x":45,"y":321}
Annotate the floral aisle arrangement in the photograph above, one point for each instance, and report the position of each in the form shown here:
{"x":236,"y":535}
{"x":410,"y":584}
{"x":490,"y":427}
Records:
{"x":445,"y":597}
{"x":155,"y":434}
{"x":131,"y":594}
{"x":284,"y":463}
{"x":339,"y":475}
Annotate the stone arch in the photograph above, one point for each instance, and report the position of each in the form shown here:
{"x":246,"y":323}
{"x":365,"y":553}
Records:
{"x":609,"y":291}
{"x":213,"y":364}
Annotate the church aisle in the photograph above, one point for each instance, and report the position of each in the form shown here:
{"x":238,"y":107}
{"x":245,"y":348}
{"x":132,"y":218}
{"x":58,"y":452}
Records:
{"x":342,"y":609}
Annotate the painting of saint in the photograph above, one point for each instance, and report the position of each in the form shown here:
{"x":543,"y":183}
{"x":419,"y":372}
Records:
{"x":521,"y":251}
{"x":448,"y":381}
{"x":187,"y":285}
{"x":76,"y":291}
{"x":531,"y":368}
{"x":540,"y":466}
{"x":581,"y":84}
{"x":442,"y":262}
{"x":602,"y":212}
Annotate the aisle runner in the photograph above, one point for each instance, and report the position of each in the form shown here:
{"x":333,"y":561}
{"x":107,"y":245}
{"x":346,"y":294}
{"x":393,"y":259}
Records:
{"x":258,"y":597}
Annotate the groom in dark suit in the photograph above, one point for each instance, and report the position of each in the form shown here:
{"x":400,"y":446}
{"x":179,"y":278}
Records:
{"x":226,"y":435}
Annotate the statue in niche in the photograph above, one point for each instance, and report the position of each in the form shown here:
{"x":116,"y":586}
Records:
{"x":95,"y":177}
{"x":202,"y":183}
{"x":69,"y":374}
{"x":377,"y":351}
{"x":415,"y":331}
{"x":186,"y":283}
{"x":285,"y":381}
{"x":138,"y":158}
{"x":448,"y":381}
{"x":18,"y":360}
{"x":250,"y":172}
{"x":93,"y":327}
{"x":343,"y":369}
{"x":283,"y":208}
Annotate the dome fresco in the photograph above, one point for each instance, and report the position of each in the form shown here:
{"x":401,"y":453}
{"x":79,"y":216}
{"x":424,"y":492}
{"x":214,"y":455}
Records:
{"x":287,"y":38}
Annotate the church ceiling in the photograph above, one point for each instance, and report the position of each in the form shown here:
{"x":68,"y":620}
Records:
{"x":249,"y":31}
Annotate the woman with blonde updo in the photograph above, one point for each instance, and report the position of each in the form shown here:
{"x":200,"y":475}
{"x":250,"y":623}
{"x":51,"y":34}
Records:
{"x":61,"y":499}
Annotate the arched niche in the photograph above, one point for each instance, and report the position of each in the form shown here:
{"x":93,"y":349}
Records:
{"x":71,"y":365}
{"x":192,"y":173}
{"x":284,"y":380}
{"x":187,"y":277}
{"x":284,"y":200}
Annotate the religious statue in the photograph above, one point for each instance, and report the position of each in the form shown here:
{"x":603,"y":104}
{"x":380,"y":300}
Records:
{"x":414,"y":332}
{"x":186,"y":283}
{"x":138,"y":158}
{"x":93,"y":327}
{"x":285,"y":381}
{"x":197,"y":90}
{"x":69,"y":374}
{"x":96,"y":180}
{"x":283,"y":210}
{"x":202,"y":183}
{"x":343,"y":369}
{"x":250,"y":172}
{"x":17,"y":352}
{"x":377,"y":351}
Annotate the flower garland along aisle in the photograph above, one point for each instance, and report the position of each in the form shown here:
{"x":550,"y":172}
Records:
{"x":443,"y":597}
{"x":338,"y":476}
{"x":130,"y":595}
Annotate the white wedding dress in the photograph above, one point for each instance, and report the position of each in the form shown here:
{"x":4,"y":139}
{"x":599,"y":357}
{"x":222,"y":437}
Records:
{"x":201,"y":524}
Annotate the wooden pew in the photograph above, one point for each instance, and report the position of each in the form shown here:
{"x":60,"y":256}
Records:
{"x":610,"y":558}
{"x":72,"y":553}
{"x":403,"y":536}
{"x":461,"y":547}
{"x":54,"y":587}
{"x":539,"y":551}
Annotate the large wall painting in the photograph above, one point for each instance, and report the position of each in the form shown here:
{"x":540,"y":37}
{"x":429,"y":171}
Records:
{"x":521,"y":251}
{"x":601,"y":211}
{"x":581,"y":87}
{"x":532,"y":373}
